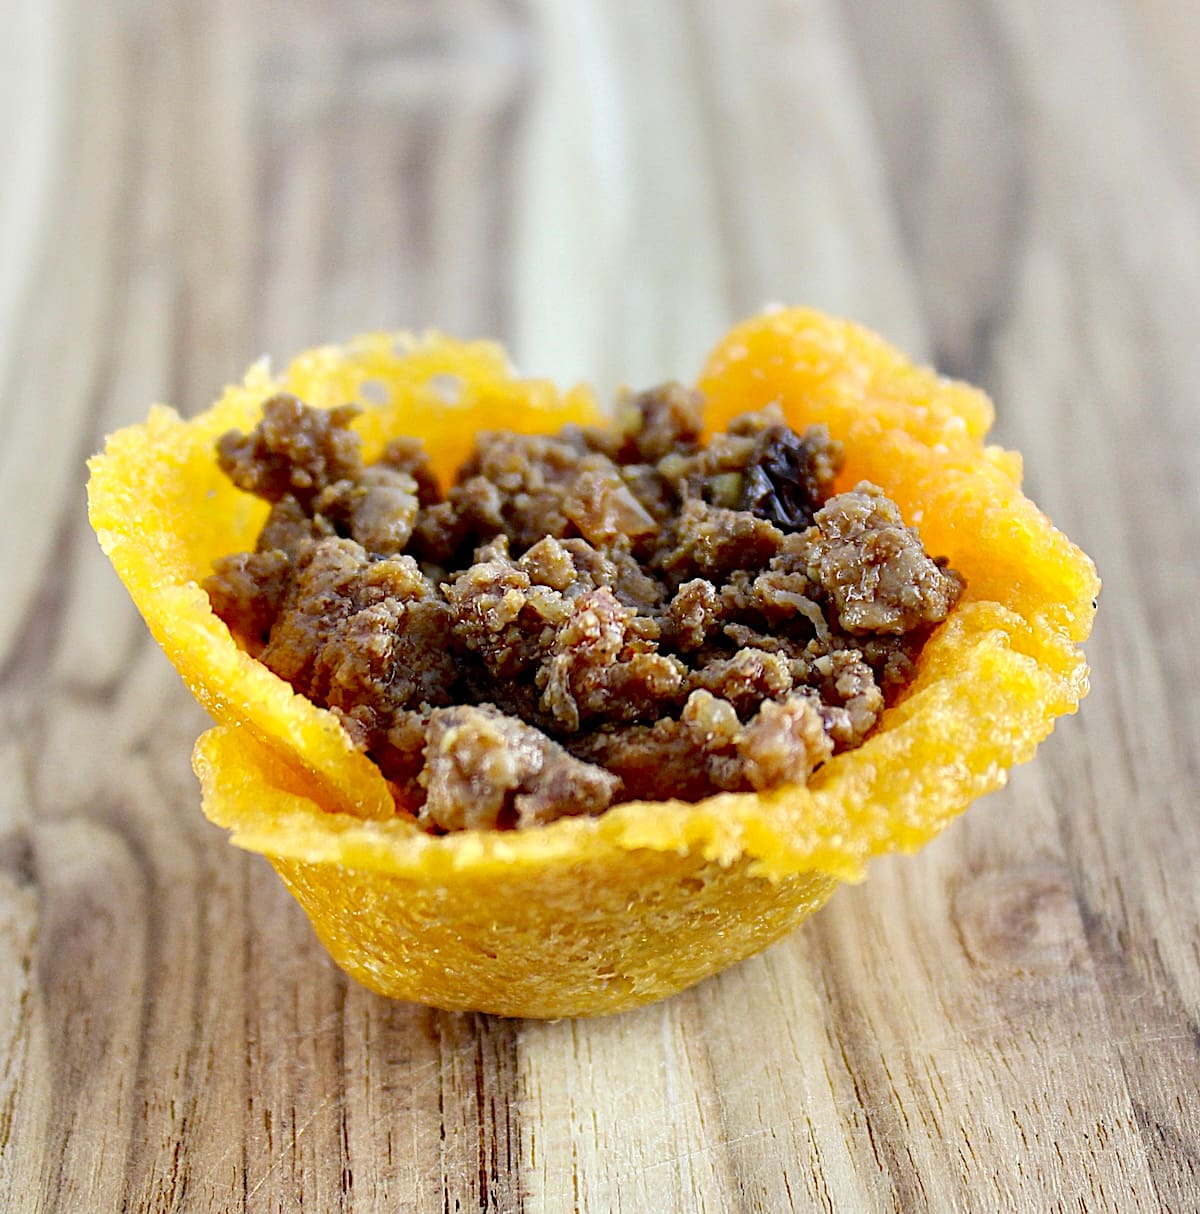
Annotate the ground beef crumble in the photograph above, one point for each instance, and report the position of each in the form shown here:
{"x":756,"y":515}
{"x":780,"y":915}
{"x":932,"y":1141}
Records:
{"x":584,"y":618}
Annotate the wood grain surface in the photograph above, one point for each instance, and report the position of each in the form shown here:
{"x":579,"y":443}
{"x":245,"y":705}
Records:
{"x":1011,"y":189}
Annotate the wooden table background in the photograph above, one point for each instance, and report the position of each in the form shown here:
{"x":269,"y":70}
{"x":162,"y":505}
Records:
{"x":1009,"y":188}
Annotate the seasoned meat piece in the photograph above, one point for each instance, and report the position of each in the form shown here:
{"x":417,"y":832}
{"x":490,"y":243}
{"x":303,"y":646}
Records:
{"x":599,"y":668}
{"x":694,"y":614}
{"x":893,"y":658}
{"x":357,"y":631}
{"x":671,"y":417}
{"x":851,"y":700}
{"x":711,"y":542}
{"x":531,"y":474}
{"x":746,"y":679}
{"x":783,"y":743}
{"x":289,"y":526}
{"x":295,"y":450}
{"x":409,"y":455}
{"x":650,"y":425}
{"x":708,"y":750}
{"x":551,"y":563}
{"x":470,"y":515}
{"x":786,"y":598}
{"x":389,"y":656}
{"x":663,"y":761}
{"x":486,"y":770}
{"x":321,"y":596}
{"x":512,"y":618}
{"x":400,"y":752}
{"x":613,"y":567}
{"x":377,"y":510}
{"x":246,"y":590}
{"x":875,"y":569}
{"x":501,"y":617}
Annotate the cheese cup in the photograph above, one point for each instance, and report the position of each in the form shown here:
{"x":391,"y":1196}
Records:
{"x":589,"y":915}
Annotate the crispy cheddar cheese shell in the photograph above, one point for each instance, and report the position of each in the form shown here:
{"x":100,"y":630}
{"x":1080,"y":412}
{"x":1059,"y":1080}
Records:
{"x":591,"y":915}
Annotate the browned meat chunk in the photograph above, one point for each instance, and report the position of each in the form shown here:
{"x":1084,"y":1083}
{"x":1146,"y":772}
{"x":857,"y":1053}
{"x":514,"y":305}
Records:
{"x":746,"y":679}
{"x":409,"y":455}
{"x":320,"y":599}
{"x":289,"y":525}
{"x":355,"y":631}
{"x":485,"y":769}
{"x":783,"y":743}
{"x":246,"y":590}
{"x":712,"y":542}
{"x":650,"y":425}
{"x":600,"y":669}
{"x":294,"y":450}
{"x":377,"y":510}
{"x":707,"y":749}
{"x":875,"y":569}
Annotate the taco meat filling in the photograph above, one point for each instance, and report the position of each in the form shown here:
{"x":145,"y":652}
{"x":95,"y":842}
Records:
{"x":584,"y":618}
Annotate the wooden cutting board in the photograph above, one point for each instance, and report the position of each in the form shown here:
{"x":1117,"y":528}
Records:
{"x":1007,"y":1021}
